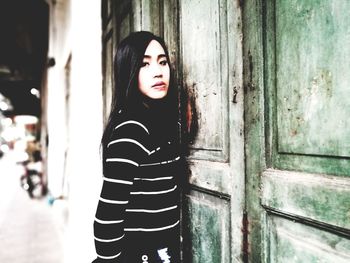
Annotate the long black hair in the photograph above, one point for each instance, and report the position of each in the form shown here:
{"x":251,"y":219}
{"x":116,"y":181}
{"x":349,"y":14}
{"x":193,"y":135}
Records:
{"x":126,"y":95}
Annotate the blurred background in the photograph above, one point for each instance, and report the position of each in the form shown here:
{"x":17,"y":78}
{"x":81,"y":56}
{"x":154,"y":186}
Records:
{"x":50,"y":127}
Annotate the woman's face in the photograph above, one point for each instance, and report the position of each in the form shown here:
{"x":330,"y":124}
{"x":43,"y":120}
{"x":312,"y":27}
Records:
{"x":154,"y":75}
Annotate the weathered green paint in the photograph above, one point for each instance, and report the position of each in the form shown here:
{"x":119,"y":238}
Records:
{"x":298,"y":71}
{"x":292,"y":72}
{"x":313,"y":164}
{"x":312,"y":64}
{"x":294,"y":242}
{"x":254,"y":124}
{"x":325,"y":199}
{"x":211,"y":64}
{"x":205,"y":67}
{"x":208,"y":229}
{"x":213,"y":176}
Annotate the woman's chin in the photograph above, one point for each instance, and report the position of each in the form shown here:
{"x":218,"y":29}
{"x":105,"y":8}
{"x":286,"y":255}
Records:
{"x":157,"y":95}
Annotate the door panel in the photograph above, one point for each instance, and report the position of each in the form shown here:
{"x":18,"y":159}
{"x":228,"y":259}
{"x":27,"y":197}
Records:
{"x":296,"y":242}
{"x":311,"y":87}
{"x":317,"y":197}
{"x":297,"y":144}
{"x":210,"y":46}
{"x":312,"y":65}
{"x":307,"y":153}
{"x":307,"y":88}
{"x":208,"y":228}
{"x":204,"y":67}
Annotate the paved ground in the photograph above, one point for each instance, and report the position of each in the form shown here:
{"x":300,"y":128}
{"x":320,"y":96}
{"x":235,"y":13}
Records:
{"x":29,"y":231}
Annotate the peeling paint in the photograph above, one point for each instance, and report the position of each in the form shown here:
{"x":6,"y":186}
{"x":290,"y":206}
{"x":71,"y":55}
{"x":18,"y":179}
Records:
{"x":312,"y":62}
{"x":318,"y":94}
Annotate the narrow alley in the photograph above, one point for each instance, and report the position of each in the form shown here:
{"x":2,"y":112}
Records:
{"x":29,"y":230}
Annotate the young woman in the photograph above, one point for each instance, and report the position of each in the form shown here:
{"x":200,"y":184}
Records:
{"x":137,"y":218}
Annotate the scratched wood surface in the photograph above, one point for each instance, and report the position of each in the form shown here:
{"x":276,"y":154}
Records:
{"x":291,"y":241}
{"x":211,"y":73}
{"x":318,"y":197}
{"x":309,"y":42}
{"x":297,"y":144}
{"x":312,"y":64}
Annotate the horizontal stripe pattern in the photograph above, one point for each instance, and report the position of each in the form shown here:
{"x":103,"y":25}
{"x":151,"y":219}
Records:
{"x":154,"y":179}
{"x":161,"y":163}
{"x":154,"y":192}
{"x":113,"y":201}
{"x":152,"y":229}
{"x":110,"y":240}
{"x":109,"y":257}
{"x":139,"y":196}
{"x":122,"y":160}
{"x":108,"y":221}
{"x":132,"y":122}
{"x":151,"y":211}
{"x":131,"y":141}
{"x":117,"y":181}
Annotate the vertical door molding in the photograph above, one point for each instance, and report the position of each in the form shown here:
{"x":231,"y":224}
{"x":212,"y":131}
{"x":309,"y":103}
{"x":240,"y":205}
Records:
{"x":254,"y":118}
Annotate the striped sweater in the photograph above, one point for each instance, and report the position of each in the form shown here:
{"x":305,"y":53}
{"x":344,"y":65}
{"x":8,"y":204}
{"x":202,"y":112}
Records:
{"x":139,"y":201}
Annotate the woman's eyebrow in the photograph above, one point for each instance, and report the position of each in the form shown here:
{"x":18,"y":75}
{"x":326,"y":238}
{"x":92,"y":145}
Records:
{"x":159,"y":56}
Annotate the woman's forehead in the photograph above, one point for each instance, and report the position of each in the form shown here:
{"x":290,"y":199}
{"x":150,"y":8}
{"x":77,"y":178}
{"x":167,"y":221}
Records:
{"x":154,"y":48}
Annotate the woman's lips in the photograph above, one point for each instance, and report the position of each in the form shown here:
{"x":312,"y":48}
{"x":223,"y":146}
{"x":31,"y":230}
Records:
{"x":159,"y":85}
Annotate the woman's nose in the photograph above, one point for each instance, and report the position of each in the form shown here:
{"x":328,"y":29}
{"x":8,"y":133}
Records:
{"x":156,"y":71}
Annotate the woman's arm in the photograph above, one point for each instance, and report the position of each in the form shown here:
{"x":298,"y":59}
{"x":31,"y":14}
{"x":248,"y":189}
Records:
{"x":125,"y":151}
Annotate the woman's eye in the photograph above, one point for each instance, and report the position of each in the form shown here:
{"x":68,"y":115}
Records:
{"x":163,"y":62}
{"x":144,"y":64}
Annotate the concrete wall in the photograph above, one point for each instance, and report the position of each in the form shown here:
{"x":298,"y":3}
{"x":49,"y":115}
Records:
{"x":74,"y":116}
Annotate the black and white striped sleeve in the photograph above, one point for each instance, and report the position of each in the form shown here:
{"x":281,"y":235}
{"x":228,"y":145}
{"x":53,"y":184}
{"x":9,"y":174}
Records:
{"x":125,"y":151}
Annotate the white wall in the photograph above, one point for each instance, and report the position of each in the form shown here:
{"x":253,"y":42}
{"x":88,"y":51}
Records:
{"x":76,"y":29}
{"x":86,"y":127}
{"x":59,"y":49}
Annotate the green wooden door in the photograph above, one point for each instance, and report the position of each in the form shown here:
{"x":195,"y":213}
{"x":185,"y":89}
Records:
{"x":297,"y":83}
{"x":205,"y":45}
{"x":211,"y":72}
